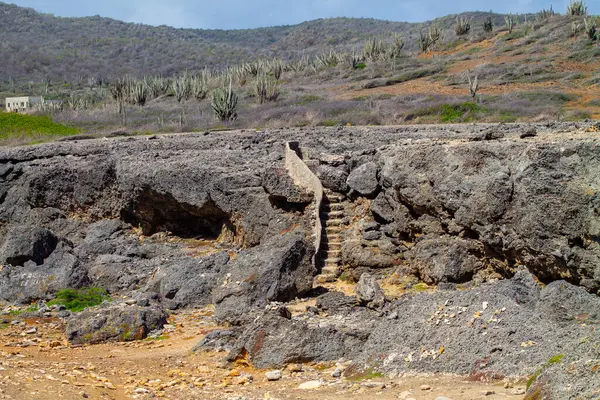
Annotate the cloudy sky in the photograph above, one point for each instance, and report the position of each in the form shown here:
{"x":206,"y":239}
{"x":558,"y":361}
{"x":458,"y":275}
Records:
{"x":229,"y":14}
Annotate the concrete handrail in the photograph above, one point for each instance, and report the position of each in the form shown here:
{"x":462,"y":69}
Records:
{"x":304,"y":177}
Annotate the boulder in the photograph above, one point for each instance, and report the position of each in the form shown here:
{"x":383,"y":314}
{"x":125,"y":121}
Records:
{"x":364,"y":179}
{"x":118,"y":322}
{"x":274,"y":342}
{"x":376,"y":255}
{"x":335,"y":302}
{"x":279,"y":270}
{"x":278,"y":183}
{"x":103,"y":230}
{"x":189,"y":282}
{"x":369,"y":293}
{"x":31,"y":282}
{"x":333,"y":178}
{"x":27,"y":243}
{"x":446,"y":259}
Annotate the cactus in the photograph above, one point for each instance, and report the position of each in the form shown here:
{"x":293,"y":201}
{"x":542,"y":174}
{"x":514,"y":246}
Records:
{"x":473,"y":84}
{"x":266,"y":89}
{"x":462,"y":26}
{"x":510,"y":21}
{"x":424,"y":41}
{"x":435,"y":34}
{"x":276,"y":68}
{"x":576,"y":28}
{"x":138,"y":93}
{"x":182,"y":87}
{"x":577,"y":8}
{"x":545,"y":14}
{"x":395,"y":49}
{"x":224,"y":103}
{"x":590,"y":28}
{"x":199,"y":86}
{"x":488,"y":25}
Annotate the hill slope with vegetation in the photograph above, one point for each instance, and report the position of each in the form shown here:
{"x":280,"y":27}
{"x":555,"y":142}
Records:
{"x":36,"y":46}
{"x":475,"y":67}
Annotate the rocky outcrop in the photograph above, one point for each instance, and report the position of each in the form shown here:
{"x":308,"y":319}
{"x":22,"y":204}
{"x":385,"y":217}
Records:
{"x":279,"y":270}
{"x":480,"y":209}
{"x":272,"y":341}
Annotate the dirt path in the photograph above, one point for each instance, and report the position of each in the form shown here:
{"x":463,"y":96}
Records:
{"x":40,"y":365}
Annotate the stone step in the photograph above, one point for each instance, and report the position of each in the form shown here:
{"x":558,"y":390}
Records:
{"x":334,"y":222}
{"x":332,"y":214}
{"x":332,"y":261}
{"x":333,"y":229}
{"x":333,"y":253}
{"x":333,"y":207}
{"x":332,"y":247}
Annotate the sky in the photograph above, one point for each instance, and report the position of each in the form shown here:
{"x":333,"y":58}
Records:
{"x":241,"y":14}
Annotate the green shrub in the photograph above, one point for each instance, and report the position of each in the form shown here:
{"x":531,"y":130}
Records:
{"x":458,"y":112}
{"x":78,"y":300}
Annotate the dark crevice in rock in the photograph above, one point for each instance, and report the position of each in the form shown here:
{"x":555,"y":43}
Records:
{"x":156,"y":212}
{"x":283,"y":204}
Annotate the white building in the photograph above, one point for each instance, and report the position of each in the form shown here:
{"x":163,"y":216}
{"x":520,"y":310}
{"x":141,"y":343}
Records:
{"x":18,"y":104}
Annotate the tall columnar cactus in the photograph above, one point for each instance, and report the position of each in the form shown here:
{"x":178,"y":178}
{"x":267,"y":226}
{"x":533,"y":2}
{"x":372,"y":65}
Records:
{"x":424,"y":41}
{"x":462,"y":26}
{"x":139,"y":93}
{"x":267,"y":89}
{"x":510,"y":21}
{"x":473,"y":84}
{"x":488,"y":25}
{"x":590,"y":29}
{"x":577,"y":8}
{"x":224,"y":103}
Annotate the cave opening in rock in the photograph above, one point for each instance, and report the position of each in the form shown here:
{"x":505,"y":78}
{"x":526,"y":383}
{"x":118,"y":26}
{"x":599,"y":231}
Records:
{"x":157,"y":212}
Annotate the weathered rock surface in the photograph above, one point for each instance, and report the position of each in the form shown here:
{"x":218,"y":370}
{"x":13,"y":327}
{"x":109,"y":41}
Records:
{"x":27,"y":244}
{"x":279,"y":270}
{"x":272,"y":341}
{"x":369,"y":292}
{"x":114,"y":323}
{"x":189,"y":282}
{"x":364,"y":179}
{"x":333,"y":178}
{"x":510,"y":327}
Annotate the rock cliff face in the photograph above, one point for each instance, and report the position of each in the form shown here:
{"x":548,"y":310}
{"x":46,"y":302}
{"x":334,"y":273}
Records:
{"x":429,"y":201}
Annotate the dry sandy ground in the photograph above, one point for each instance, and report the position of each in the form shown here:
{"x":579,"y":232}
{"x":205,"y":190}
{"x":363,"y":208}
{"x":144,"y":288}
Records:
{"x":41,"y":365}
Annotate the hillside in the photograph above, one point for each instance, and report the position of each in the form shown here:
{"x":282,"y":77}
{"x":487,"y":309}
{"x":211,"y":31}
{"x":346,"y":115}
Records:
{"x":36,"y":46}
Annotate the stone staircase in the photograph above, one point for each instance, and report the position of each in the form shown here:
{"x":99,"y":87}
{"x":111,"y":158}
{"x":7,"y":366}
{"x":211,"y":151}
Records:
{"x":332,"y":219}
